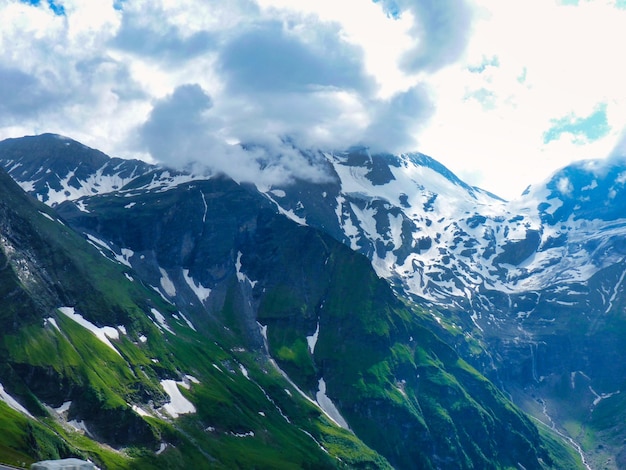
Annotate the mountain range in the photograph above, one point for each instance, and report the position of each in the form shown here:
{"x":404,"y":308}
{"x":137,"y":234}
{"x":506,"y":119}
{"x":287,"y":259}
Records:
{"x":389,"y":316}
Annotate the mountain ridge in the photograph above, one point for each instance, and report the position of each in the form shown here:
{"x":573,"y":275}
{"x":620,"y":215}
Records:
{"x":226,"y":275}
{"x":508,"y":274}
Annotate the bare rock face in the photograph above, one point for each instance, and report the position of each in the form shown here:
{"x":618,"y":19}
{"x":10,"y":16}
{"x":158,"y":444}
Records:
{"x":63,"y":464}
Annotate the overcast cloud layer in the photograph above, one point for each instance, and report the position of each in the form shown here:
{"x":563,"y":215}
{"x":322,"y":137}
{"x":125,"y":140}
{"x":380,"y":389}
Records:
{"x":502,"y":92}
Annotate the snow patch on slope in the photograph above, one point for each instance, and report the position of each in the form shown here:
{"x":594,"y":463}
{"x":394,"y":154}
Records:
{"x":102,"y":333}
{"x":166,"y":283}
{"x":201,"y":292}
{"x":97,"y":183}
{"x":312,"y":340}
{"x":178,"y":404}
{"x":328,"y":406}
{"x":186,"y":320}
{"x":122,"y":258}
{"x":53,"y":322}
{"x":125,"y":256}
{"x":290,"y":214}
{"x":162,"y":324}
{"x":240,"y":275}
{"x":165,"y":181}
{"x":13,"y":403}
{"x":615,"y":292}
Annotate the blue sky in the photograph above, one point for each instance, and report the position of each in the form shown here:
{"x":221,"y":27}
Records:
{"x":502,"y":92}
{"x":55,"y":7}
{"x":582,"y":129}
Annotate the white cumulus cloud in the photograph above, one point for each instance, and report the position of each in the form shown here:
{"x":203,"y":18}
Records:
{"x":477,"y":84}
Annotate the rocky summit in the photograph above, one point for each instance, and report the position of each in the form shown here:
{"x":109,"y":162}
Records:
{"x":386,"y":315}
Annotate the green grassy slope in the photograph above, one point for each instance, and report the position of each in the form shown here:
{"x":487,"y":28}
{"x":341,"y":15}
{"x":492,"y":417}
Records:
{"x":47,"y":359}
{"x":403,"y":391}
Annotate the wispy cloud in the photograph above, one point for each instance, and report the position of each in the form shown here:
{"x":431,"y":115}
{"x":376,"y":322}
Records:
{"x":181,"y":130}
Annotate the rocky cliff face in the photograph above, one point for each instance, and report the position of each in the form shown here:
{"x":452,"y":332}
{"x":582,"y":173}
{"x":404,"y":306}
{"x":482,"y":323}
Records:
{"x":538,"y":281}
